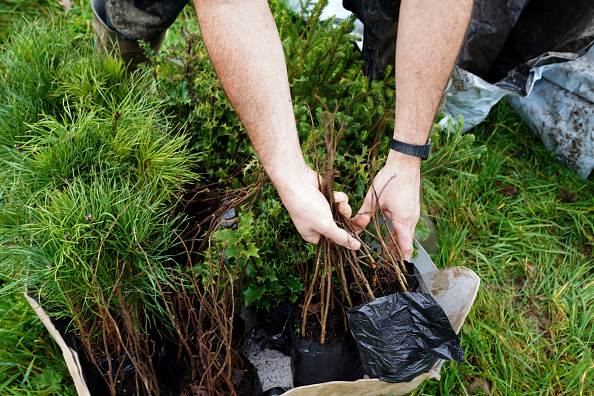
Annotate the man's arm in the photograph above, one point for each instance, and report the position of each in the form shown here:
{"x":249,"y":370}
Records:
{"x":246,"y":51}
{"x":430,"y":34}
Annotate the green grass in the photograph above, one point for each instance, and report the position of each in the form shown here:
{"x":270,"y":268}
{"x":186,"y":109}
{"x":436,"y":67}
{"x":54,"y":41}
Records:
{"x":30,"y":361}
{"x":12,"y":11}
{"x":530,"y":331}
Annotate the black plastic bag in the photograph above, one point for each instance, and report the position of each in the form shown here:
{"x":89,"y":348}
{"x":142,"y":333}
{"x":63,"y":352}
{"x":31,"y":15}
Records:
{"x":380,"y":20}
{"x":314,"y":363}
{"x":490,"y":24}
{"x":276,"y":329}
{"x":272,"y":330}
{"x":256,"y":382}
{"x":545,"y":27}
{"x":402,"y":335}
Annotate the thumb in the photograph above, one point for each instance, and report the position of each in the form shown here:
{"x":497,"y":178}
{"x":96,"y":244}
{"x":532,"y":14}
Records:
{"x":404,"y":238}
{"x":363,"y":217}
{"x":310,"y":236}
{"x":342,"y":201}
{"x":341,"y":237}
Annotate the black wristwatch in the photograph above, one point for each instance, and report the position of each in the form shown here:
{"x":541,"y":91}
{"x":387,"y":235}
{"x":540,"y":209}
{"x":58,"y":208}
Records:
{"x":411,"y":149}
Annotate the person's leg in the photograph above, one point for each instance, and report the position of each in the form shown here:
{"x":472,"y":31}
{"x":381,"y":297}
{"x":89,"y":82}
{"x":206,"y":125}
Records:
{"x":120,"y":24}
{"x":142,"y":19}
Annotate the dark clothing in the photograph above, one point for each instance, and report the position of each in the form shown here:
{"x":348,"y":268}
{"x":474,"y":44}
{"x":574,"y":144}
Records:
{"x":142,"y":19}
{"x":502,"y":34}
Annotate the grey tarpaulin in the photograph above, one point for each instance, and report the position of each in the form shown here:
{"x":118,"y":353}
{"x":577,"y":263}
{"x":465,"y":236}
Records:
{"x":536,"y":53}
{"x":545,"y":69}
{"x":560,"y":109}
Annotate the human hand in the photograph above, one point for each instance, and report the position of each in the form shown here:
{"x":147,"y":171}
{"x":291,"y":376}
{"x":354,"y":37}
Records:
{"x":311,"y":212}
{"x":395,"y":191}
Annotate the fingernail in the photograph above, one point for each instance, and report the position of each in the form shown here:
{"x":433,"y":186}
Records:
{"x":354,"y":244}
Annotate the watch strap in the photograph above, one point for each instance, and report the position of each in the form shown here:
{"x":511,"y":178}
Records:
{"x":421,"y":151}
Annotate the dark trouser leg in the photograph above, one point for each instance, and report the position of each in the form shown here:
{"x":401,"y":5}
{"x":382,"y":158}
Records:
{"x":134,"y":20}
{"x":142,"y":19}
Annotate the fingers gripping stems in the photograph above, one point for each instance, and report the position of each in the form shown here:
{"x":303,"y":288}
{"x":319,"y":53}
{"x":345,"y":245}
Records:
{"x":394,"y":191}
{"x":311,"y":212}
{"x":342,"y":202}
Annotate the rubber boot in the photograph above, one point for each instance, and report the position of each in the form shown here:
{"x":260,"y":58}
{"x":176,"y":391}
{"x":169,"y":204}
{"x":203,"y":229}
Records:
{"x":108,"y":42}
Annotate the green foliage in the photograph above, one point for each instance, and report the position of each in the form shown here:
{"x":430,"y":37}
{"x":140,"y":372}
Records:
{"x":29,"y":66}
{"x":324,"y":68}
{"x":128,"y":142}
{"x":266,"y":280}
{"x":70,"y":111}
{"x":96,"y":82}
{"x":319,"y":56}
{"x":325,"y":71}
{"x":94,"y":233}
{"x":15,"y":13}
{"x":192,"y":93}
{"x":325,"y":76}
{"x":91,"y":170}
{"x":451,"y":150}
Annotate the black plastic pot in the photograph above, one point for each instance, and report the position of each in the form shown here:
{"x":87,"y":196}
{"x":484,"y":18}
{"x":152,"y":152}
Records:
{"x":256,"y":382}
{"x":314,"y":363}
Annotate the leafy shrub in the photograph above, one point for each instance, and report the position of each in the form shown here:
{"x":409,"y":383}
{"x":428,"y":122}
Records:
{"x":267,"y":280}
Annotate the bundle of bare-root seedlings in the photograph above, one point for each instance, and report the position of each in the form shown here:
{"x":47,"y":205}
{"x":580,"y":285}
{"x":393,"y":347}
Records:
{"x":204,"y":304}
{"x":377,"y":269}
{"x":386,"y":334}
{"x":193,"y":348}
